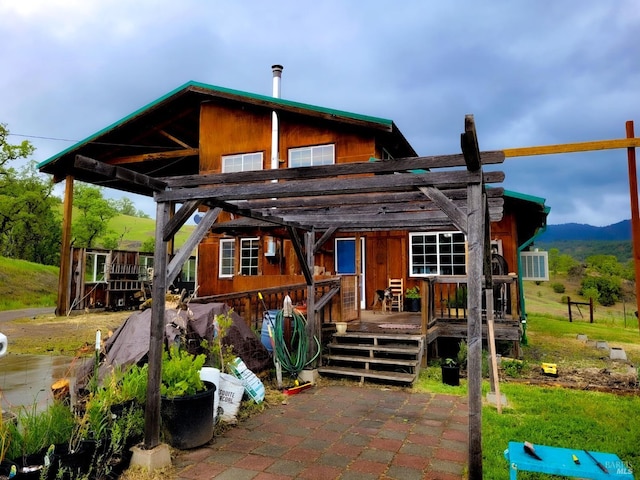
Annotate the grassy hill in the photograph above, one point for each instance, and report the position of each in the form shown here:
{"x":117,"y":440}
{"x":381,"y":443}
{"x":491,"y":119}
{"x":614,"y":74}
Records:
{"x":133,"y":231}
{"x":25,"y":284}
{"x":582,"y":249}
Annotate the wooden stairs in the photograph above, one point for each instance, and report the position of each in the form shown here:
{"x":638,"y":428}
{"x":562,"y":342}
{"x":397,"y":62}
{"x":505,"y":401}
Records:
{"x":393,"y":358}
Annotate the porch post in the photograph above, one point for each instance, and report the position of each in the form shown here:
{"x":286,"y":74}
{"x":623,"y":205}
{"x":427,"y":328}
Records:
{"x":475,"y":233}
{"x":156,"y":337}
{"x":64,"y":277}
{"x":312,"y":319}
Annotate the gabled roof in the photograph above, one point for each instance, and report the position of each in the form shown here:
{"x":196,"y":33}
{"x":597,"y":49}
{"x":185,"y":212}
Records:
{"x":167,"y":130}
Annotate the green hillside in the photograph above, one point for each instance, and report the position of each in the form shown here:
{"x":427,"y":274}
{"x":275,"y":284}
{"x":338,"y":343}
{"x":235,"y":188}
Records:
{"x":133,"y":231}
{"x":24,"y":284}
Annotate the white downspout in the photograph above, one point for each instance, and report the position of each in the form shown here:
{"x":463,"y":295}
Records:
{"x":275,"y":146}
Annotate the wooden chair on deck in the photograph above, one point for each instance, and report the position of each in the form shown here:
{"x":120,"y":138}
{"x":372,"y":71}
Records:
{"x":397,"y":290}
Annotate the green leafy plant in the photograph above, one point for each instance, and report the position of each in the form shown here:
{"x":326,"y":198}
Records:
{"x":413,"y":292}
{"x":449,"y":362}
{"x":219,"y":355}
{"x":463,"y":351}
{"x":181,"y":373}
{"x":35,"y":429}
{"x":513,"y":368}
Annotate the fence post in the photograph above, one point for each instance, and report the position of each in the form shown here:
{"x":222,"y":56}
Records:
{"x":569,"y":305}
{"x":591,"y":309}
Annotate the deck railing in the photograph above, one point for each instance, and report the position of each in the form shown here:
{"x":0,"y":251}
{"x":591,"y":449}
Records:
{"x":446,"y":299}
{"x":248,"y":305}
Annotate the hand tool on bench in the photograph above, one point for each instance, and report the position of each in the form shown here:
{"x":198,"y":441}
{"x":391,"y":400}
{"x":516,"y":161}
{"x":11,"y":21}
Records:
{"x":600,"y":466}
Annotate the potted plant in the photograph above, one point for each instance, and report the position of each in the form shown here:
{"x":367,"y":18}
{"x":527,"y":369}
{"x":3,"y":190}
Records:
{"x":186,"y":406}
{"x":450,"y":372}
{"x":412,"y":296}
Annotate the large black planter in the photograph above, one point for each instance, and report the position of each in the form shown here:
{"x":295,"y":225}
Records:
{"x":412,"y":304}
{"x":187,"y":422}
{"x":451,"y":375}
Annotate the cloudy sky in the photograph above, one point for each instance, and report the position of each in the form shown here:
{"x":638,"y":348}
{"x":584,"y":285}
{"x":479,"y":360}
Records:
{"x":532,"y":73}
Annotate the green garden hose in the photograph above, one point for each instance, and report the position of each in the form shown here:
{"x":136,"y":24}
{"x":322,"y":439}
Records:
{"x":294,"y":361}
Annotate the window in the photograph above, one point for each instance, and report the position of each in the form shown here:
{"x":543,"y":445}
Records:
{"x":312,"y":156}
{"x":227,"y":257}
{"x":146,"y":268}
{"x":535,"y":266}
{"x":95,"y":267}
{"x":188,"y":272}
{"x":439,"y":253}
{"x":249,"y":256}
{"x":242,"y":162}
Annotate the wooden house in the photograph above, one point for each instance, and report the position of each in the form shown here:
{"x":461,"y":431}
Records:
{"x":290,"y":195}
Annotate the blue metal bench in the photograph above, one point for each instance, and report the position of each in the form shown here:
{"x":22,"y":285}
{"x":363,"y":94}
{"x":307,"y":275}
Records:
{"x":559,"y":461}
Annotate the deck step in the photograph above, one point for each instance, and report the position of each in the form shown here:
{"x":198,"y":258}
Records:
{"x":361,"y":359}
{"x":362,"y":374}
{"x":399,"y":349}
{"x":393,"y":358}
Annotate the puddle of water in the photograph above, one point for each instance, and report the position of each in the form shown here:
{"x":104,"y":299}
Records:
{"x":27,"y":379}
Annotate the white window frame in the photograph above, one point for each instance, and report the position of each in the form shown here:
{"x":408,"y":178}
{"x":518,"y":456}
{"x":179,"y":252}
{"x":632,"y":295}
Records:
{"x":440,"y":245}
{"x":250,"y":254}
{"x":535,"y":266}
{"x":242,"y":162}
{"x":314,"y":155}
{"x":99,"y":275}
{"x":224,"y":269}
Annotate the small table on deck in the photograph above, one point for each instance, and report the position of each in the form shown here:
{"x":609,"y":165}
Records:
{"x":559,"y":461}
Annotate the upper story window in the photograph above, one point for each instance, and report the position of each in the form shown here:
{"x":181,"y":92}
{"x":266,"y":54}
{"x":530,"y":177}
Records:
{"x":227,"y":257}
{"x":437,"y":253}
{"x":312,"y":156}
{"x":95,"y":267}
{"x":243,"y":162}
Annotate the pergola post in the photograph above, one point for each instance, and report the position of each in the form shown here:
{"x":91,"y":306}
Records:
{"x":156,"y":338}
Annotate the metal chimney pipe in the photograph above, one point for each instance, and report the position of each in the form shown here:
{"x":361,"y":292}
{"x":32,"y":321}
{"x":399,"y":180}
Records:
{"x":275,"y":146}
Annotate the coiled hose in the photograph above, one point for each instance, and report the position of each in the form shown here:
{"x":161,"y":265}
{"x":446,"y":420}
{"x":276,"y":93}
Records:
{"x":294,"y":361}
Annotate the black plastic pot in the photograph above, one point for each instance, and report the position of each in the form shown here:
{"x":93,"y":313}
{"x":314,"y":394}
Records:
{"x":451,"y":375}
{"x":187,"y":422}
{"x":69,"y":464}
{"x":412,"y":304}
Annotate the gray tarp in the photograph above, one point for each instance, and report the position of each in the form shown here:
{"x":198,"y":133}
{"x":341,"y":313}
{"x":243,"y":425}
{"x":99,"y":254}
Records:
{"x":129,"y":344}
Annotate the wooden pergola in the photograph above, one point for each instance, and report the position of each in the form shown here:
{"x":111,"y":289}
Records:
{"x":311,"y":204}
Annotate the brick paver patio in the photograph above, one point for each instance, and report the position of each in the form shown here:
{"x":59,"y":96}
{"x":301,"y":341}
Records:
{"x":344,"y":432}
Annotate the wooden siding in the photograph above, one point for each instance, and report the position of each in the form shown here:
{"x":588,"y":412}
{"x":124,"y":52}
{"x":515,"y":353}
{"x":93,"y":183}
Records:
{"x":227,"y":130}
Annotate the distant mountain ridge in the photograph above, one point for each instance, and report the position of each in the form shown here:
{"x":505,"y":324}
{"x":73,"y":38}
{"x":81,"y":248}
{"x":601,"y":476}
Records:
{"x":620,"y":231}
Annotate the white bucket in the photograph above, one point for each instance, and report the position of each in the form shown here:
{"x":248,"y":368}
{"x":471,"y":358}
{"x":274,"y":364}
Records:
{"x":4,"y":344}
{"x":210,"y":374}
{"x":231,"y":392}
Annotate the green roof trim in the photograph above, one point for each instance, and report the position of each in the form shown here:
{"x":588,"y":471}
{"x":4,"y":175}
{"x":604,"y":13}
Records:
{"x":229,"y":91}
{"x":290,"y":103}
{"x":528,"y":198}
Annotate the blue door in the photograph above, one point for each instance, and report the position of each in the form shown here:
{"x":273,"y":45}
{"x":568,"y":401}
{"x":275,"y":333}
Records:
{"x":346,"y":261}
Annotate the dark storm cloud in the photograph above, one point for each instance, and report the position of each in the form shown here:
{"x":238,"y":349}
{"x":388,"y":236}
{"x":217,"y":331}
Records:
{"x":531,"y":73}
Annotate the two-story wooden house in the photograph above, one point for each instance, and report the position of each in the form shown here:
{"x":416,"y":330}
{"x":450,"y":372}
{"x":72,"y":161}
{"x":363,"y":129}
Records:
{"x":289,"y":194}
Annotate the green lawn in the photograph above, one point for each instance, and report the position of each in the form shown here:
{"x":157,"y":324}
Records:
{"x":557,"y":416}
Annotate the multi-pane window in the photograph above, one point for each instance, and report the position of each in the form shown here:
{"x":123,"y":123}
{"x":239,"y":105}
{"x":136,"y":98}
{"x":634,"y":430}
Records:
{"x":312,"y":156}
{"x":242,"y":162}
{"x":438,"y":253}
{"x":95,"y":267}
{"x":227,"y":257}
{"x":535,"y":266}
{"x":249,"y":256}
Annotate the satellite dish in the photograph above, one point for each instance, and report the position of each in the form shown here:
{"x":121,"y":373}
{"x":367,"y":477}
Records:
{"x":197,"y":218}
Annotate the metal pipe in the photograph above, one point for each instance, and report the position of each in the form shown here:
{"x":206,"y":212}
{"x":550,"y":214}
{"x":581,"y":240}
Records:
{"x":275,"y":147}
